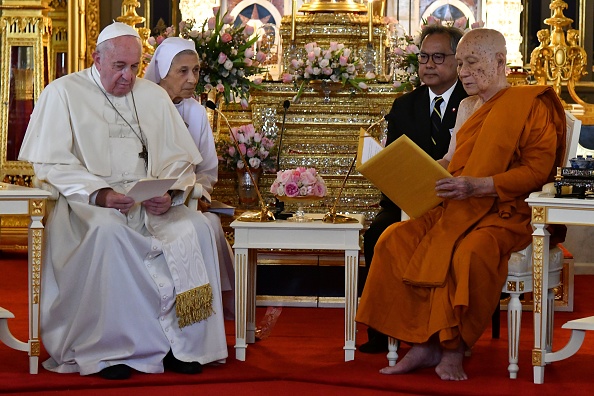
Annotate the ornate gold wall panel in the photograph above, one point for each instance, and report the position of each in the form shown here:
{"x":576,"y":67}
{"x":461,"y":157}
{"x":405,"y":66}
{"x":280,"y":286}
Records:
{"x":317,"y":134}
{"x":25,"y":40}
{"x":346,"y":28}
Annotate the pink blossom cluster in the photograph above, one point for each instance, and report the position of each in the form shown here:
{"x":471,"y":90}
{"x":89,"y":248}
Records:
{"x":229,"y":64}
{"x":337,"y":63}
{"x":299,"y":182}
{"x":253,"y":146}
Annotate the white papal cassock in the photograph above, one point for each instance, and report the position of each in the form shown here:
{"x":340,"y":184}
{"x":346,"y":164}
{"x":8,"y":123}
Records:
{"x":109,"y":280}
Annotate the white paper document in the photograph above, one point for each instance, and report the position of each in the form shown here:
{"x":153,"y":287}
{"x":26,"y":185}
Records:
{"x":150,"y":188}
{"x":221,"y":208}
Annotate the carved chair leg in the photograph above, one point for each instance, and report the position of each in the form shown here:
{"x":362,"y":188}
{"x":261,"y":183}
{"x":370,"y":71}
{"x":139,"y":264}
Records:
{"x":514,"y":323}
{"x":392,"y":351}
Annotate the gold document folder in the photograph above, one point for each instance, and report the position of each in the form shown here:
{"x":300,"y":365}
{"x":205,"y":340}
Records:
{"x":402,"y":171}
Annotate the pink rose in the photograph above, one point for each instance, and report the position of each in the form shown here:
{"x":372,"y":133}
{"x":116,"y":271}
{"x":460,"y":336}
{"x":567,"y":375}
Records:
{"x":343,"y":60}
{"x":226,"y":37}
{"x":285,"y":176}
{"x":222,"y":58}
{"x":274,"y":187}
{"x":257,"y":80}
{"x":242,"y":148}
{"x":220,"y":88}
{"x":307,"y":178}
{"x":248,"y":62}
{"x":260,"y":56}
{"x":250,"y":152}
{"x":249,"y":30}
{"x":291,"y":189}
{"x":319,"y":190}
{"x":231,"y":151}
{"x":249,"y":52}
{"x":211,"y":23}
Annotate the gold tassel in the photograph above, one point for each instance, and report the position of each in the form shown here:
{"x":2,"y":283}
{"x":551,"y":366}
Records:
{"x":194,"y":305}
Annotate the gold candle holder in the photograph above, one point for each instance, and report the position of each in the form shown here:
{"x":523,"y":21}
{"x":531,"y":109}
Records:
{"x":370,"y":15}
{"x":293,"y":12}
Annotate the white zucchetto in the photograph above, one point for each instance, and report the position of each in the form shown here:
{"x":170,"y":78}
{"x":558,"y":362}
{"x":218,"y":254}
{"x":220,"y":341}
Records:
{"x":116,"y":29}
{"x":163,"y":56}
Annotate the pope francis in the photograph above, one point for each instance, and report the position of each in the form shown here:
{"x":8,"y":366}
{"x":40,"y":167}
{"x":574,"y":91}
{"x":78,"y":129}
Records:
{"x":126,"y":285}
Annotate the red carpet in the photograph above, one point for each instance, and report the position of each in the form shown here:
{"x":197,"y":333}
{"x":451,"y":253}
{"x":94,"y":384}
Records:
{"x":303,"y":356}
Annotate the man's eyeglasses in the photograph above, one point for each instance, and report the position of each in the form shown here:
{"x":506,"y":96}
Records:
{"x":438,"y":58}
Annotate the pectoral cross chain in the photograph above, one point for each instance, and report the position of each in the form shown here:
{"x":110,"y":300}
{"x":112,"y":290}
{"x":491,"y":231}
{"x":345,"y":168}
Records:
{"x":144,"y":154}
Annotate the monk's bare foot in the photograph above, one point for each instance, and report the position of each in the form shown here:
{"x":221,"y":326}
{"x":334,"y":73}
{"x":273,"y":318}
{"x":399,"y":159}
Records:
{"x":419,"y":356}
{"x":450,"y":367}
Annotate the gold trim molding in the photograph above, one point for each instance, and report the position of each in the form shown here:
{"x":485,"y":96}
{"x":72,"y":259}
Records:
{"x":537,"y":263}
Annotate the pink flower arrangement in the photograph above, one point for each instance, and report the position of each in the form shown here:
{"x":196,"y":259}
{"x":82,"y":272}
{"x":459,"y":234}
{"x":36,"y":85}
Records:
{"x":336,"y":63}
{"x":299,"y":182}
{"x":254,"y":147}
{"x":229,"y":65}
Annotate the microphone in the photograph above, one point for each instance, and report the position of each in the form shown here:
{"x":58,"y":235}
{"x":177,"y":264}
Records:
{"x":280,"y":205}
{"x":332,"y":216}
{"x":264,"y":214}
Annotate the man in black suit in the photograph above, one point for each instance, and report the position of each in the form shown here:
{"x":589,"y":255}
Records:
{"x":412,"y":115}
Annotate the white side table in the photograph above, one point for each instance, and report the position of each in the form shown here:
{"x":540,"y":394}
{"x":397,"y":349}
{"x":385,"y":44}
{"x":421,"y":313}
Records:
{"x":282,"y":234}
{"x":547,"y":210}
{"x":17,"y":200}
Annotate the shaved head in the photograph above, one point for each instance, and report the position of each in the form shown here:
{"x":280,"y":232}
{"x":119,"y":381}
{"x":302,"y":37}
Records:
{"x":481,"y":58}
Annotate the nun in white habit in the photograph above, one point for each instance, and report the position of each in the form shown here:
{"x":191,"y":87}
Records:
{"x":123,"y":286}
{"x":175,"y":67}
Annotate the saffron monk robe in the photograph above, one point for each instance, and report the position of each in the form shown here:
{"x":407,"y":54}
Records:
{"x":436,"y":280}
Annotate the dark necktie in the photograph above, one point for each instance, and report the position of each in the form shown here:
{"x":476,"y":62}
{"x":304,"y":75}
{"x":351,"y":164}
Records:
{"x":436,"y":119}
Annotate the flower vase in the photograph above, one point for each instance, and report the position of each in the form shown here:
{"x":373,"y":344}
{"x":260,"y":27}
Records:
{"x":246,"y":187}
{"x":326,"y":87}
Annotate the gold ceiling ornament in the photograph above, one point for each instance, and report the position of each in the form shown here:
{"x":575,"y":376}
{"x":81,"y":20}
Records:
{"x":559,"y":59}
{"x":333,"y":6}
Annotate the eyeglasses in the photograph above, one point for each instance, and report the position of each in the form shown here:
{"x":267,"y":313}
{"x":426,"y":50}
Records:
{"x":438,"y":58}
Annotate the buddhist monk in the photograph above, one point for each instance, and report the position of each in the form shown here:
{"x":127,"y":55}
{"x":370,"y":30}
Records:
{"x":436,"y":280}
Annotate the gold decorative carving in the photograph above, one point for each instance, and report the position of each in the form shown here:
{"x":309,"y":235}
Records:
{"x":333,"y":6}
{"x":35,"y":251}
{"x":559,"y":59}
{"x":521,"y":286}
{"x":35,"y":348}
{"x":537,"y":263}
{"x":37,"y":207}
{"x":538,"y":215}
{"x":92,"y":28}
{"x":536,"y":357}
{"x":129,"y":15}
{"x":511,"y":286}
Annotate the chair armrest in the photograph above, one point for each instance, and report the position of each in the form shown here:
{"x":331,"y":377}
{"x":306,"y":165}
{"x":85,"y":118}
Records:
{"x":194,"y":196}
{"x":43,"y":185}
